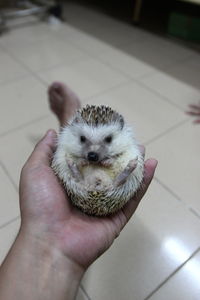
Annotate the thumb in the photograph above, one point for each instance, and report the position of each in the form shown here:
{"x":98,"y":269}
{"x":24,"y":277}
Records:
{"x":44,"y":149}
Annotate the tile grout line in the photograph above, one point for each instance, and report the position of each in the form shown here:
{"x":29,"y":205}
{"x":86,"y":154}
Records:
{"x":71,"y":64}
{"x":84,"y":292}
{"x":61,"y":64}
{"x":99,"y":59}
{"x":34,"y":73}
{"x":9,"y":222}
{"x":117,"y":47}
{"x":137,"y":80}
{"x":194,"y":212}
{"x":172,"y":274}
{"x":168,"y":189}
{"x":8,"y":175}
{"x":107,"y":90}
{"x":6,"y":49}
{"x":166,"y":99}
{"x":177,"y":198}
{"x":168,"y":67}
{"x":174,"y":127}
{"x":91,"y":35}
{"x":23,"y":125}
{"x":96,"y":57}
{"x":16,"y":188}
{"x":10,"y":81}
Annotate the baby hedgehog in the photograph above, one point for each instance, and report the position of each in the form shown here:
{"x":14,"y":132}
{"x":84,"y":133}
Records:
{"x":98,"y":160}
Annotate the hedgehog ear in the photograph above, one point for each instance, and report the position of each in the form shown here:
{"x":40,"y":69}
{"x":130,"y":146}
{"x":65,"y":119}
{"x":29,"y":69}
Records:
{"x":77,"y":119}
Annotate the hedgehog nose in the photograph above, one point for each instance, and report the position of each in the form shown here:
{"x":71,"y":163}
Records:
{"x":93,"y":156}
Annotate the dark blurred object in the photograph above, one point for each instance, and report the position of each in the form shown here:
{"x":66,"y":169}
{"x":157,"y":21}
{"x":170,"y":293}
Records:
{"x":194,"y":111}
{"x":151,"y":15}
{"x":184,"y":26}
{"x":184,"y":20}
{"x":57,"y":10}
{"x":10,"y":10}
{"x":7,"y":3}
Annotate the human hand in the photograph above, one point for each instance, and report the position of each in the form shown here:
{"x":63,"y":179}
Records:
{"x":48,"y":215}
{"x":194,"y":110}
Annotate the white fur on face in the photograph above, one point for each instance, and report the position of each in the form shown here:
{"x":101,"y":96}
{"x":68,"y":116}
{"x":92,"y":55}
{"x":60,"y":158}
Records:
{"x":71,"y":143}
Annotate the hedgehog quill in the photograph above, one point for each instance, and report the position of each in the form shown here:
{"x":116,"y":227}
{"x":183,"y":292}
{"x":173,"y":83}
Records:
{"x":98,"y":160}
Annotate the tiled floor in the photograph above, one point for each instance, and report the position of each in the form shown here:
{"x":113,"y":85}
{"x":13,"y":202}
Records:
{"x":150,"y":80}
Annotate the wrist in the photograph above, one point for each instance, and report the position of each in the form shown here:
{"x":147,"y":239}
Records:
{"x":45,"y":273}
{"x":45,"y":250}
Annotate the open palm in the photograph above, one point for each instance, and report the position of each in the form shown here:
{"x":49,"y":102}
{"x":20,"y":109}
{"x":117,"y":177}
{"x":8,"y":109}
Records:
{"x":48,"y":214}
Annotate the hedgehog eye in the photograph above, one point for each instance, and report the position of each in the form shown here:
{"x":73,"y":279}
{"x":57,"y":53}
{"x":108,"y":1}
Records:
{"x":82,"y":139}
{"x":108,"y":139}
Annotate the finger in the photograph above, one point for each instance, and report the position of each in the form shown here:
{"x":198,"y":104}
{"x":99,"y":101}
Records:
{"x":195,"y":107}
{"x":149,"y":170}
{"x":43,"y":152}
{"x":197,"y":121}
{"x":193,"y":113}
{"x":122,"y":177}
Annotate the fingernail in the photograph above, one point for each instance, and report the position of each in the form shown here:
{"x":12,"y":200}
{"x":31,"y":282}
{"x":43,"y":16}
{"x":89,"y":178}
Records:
{"x":50,"y":133}
{"x":56,"y":85}
{"x":155,"y":162}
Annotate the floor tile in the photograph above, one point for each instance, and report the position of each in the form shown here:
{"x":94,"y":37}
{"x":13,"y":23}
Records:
{"x":86,"y":78}
{"x":18,"y":145}
{"x":9,"y":204}
{"x":121,"y":34}
{"x":176,"y":86}
{"x":10,"y":69}
{"x":142,"y":257}
{"x":188,"y":71}
{"x":47,"y":53}
{"x":105,"y":28}
{"x":157,"y":52}
{"x":96,"y":40}
{"x":7,"y":237}
{"x":146,"y":112}
{"x":179,"y":164}
{"x":104,"y":34}
{"x":184,"y":285}
{"x":87,"y":42}
{"x":26,"y":33}
{"x":23,"y":101}
{"x":81,"y":295}
{"x":127,"y":63}
{"x":91,"y":16}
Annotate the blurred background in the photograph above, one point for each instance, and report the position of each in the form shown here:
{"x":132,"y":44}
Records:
{"x":142,"y":58}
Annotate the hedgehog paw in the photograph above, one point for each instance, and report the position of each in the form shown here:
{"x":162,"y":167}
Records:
{"x":74,"y":171}
{"x":82,"y":162}
{"x":107,"y":162}
{"x":122,"y":177}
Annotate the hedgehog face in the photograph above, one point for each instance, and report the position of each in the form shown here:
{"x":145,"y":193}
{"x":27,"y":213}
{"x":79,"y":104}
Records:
{"x":95,"y":143}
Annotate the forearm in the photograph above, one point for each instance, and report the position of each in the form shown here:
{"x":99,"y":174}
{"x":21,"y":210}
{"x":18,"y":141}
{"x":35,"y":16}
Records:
{"x":35,"y":270}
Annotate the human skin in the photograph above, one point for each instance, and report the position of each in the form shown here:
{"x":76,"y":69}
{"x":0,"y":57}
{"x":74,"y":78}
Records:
{"x":194,"y":111}
{"x":56,"y":242}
